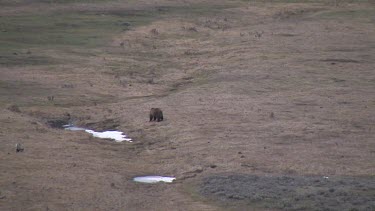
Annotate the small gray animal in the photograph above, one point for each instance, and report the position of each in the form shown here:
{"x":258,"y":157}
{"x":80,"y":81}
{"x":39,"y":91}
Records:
{"x":19,"y":147}
{"x":156,"y":114}
{"x":51,"y":98}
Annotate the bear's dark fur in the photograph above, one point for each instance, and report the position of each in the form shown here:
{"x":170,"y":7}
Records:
{"x":156,"y":114}
{"x":19,"y":147}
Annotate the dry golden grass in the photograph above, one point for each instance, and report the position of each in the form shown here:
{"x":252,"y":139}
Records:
{"x":217,"y":69}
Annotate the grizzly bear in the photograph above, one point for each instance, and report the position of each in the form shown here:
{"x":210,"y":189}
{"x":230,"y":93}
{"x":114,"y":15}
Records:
{"x":156,"y":114}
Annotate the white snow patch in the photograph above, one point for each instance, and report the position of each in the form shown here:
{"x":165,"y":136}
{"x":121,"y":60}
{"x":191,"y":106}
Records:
{"x":154,"y":179}
{"x":118,"y":136}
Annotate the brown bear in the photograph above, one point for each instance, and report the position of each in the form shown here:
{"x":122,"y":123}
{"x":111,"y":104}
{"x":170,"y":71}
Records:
{"x":156,"y":114}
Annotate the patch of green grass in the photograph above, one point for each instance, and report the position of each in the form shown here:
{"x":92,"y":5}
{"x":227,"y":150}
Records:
{"x":86,"y":30}
{"x":286,"y":1}
{"x":24,"y":93}
{"x":196,"y":10}
{"x":20,"y":92}
{"x":350,"y":14}
{"x":24,"y":60}
{"x":193,"y":13}
{"x":25,"y":2}
{"x":62,"y":31}
{"x":310,"y":1}
{"x":68,"y":30}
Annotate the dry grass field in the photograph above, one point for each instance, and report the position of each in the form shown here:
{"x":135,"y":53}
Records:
{"x":254,"y":88}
